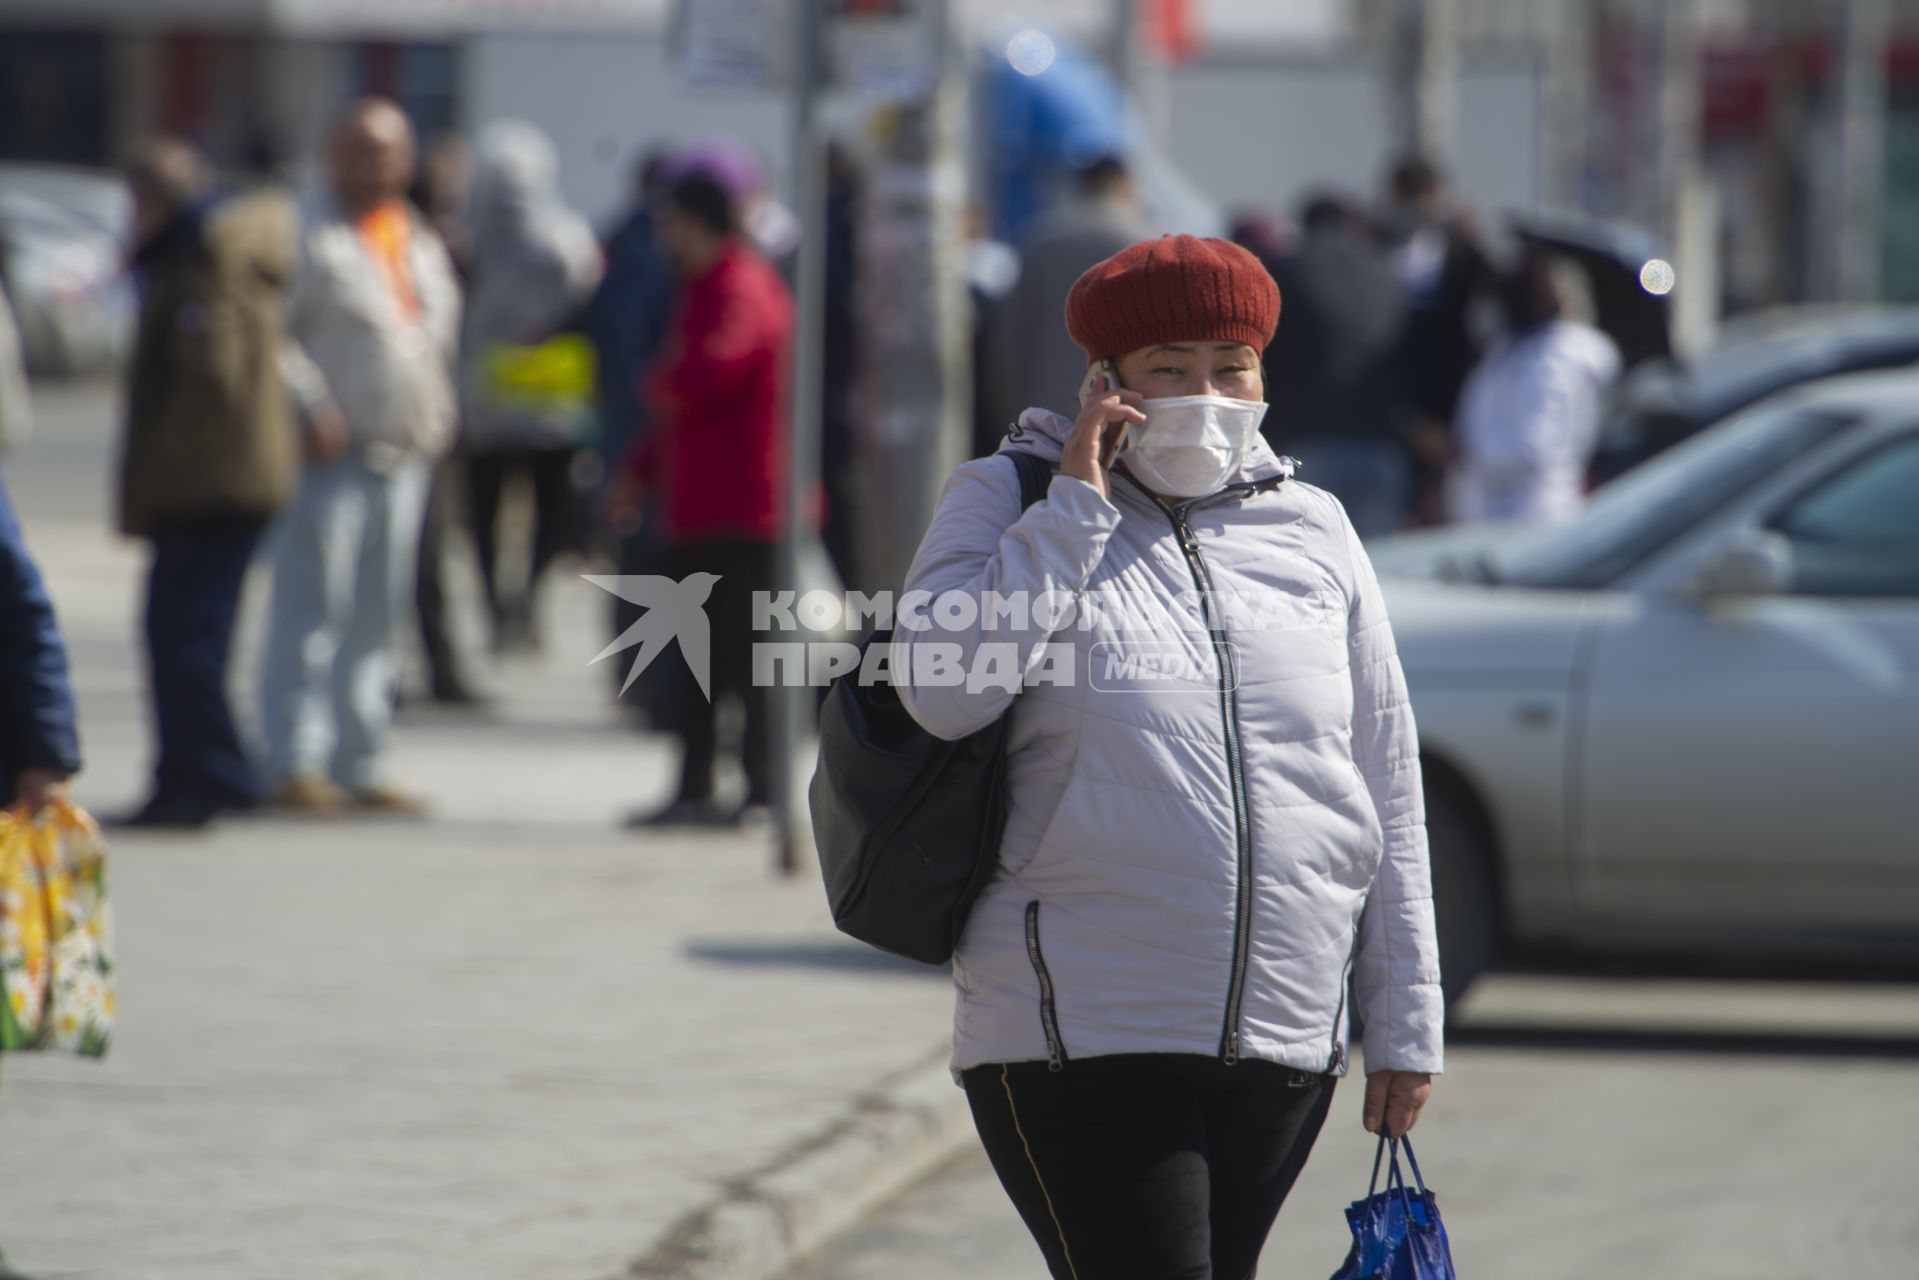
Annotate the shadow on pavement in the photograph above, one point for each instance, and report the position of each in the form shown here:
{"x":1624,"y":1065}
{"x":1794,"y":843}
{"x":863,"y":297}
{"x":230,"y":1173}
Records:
{"x":843,"y":957}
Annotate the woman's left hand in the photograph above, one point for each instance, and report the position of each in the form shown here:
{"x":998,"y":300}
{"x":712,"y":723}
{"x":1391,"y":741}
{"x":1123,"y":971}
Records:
{"x":1395,"y":1096}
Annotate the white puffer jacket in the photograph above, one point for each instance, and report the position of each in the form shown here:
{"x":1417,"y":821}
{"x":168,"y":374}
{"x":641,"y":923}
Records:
{"x":1208,"y":829}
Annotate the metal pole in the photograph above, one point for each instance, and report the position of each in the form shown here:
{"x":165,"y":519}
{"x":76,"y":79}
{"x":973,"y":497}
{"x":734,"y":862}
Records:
{"x":1862,"y":141}
{"x":1675,"y":28}
{"x":1422,"y":70}
{"x":1569,"y":76}
{"x":914,"y":390}
{"x":791,"y":704}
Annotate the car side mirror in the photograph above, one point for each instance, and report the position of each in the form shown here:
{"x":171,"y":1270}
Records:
{"x":1755,"y":563}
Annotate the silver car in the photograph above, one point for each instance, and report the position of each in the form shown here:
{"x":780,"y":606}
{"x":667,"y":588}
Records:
{"x":64,"y":235}
{"x":1689,"y":719}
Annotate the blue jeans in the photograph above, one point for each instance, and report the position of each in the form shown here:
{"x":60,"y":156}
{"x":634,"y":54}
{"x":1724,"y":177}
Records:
{"x":1373,"y":479}
{"x":193,"y":597}
{"x":345,"y":554}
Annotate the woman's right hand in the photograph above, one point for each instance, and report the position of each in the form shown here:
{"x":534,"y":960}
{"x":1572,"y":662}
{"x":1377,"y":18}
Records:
{"x":1089,"y":450}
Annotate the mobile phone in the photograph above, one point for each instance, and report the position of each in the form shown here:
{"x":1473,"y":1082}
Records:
{"x":1094,"y":372}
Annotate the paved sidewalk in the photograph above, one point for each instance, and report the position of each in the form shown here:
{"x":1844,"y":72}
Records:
{"x":508,"y":1042}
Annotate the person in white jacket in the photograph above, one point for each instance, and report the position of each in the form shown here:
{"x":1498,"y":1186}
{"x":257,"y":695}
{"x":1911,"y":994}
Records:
{"x":373,"y":318}
{"x":1529,"y":416}
{"x":1215,"y":817}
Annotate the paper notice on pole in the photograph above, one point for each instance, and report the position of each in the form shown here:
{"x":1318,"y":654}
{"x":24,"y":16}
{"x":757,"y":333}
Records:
{"x":889,"y":48}
{"x":738,"y":44}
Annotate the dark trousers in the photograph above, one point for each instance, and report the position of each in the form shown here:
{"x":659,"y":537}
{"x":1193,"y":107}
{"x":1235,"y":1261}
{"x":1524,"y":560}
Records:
{"x":743,"y":568}
{"x":193,"y":597}
{"x":556,"y":519}
{"x":1148,"y":1166}
{"x":444,"y":670}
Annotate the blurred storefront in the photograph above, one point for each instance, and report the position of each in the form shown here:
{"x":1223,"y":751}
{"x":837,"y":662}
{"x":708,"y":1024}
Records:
{"x":252,"y":81}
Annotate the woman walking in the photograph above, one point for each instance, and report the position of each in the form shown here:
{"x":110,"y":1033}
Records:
{"x":1215,"y":810}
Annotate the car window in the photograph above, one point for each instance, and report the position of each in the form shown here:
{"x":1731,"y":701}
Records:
{"x":1634,"y":517}
{"x":1857,"y":533}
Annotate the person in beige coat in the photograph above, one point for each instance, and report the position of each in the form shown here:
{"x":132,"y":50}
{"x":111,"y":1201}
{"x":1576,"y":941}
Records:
{"x":206,"y":458}
{"x":372,"y":323}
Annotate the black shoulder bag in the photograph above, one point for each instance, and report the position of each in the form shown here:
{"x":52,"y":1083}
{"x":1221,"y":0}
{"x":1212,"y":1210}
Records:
{"x":908,"y":826}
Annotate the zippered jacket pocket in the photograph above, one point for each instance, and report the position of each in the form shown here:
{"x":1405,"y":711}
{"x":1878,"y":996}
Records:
{"x":1048,"y":1013}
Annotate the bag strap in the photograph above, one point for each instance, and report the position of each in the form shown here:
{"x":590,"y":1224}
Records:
{"x":1379,"y":1154}
{"x":1035,"y":476}
{"x":1407,"y":1142}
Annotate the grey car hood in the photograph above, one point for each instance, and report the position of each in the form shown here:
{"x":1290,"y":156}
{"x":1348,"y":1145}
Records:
{"x":1452,"y":553}
{"x":1457,"y":629}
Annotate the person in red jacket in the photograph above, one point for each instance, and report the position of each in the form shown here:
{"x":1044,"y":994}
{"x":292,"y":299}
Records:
{"x":716,"y":466}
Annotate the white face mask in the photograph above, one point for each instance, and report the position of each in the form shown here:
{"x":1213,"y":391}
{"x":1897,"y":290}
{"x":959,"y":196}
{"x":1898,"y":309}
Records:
{"x":1189,"y":445}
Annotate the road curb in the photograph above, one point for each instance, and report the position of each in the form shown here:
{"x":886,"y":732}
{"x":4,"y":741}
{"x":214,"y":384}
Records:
{"x":761,"y":1225}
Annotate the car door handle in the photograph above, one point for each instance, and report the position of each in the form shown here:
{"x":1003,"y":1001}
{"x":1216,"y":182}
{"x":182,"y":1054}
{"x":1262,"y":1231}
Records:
{"x":1534,"y":715}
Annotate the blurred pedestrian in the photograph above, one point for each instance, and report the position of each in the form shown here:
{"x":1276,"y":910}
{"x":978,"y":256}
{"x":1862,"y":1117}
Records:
{"x":1529,"y":417}
{"x":627,"y":320}
{"x":1262,"y":235}
{"x":39,"y":727}
{"x":207,"y":458}
{"x":1331,"y":369}
{"x":1152,"y":987}
{"x":440,"y":194}
{"x":1024,"y":363}
{"x":715,"y":466}
{"x":525,"y":418}
{"x":628,"y":313}
{"x":839,"y":477}
{"x":16,"y":403}
{"x":373,"y":320}
{"x":1449,"y":281}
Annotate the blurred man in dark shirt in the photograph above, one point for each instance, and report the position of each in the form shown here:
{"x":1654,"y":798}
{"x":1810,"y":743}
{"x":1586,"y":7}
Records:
{"x":1331,"y":369}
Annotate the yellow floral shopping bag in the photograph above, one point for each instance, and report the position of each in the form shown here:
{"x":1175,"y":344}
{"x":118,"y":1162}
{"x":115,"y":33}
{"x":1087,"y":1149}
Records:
{"x":56,"y":933}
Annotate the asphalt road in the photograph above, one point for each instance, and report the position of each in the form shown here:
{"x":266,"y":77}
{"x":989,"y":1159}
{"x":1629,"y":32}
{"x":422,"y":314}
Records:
{"x":1586,"y":1128}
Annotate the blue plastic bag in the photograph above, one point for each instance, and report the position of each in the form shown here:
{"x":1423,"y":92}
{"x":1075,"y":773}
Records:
{"x":1397,"y":1234}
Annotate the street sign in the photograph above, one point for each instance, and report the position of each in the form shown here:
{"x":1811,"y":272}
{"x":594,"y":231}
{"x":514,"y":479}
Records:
{"x":889,"y":48}
{"x":736,"y":44}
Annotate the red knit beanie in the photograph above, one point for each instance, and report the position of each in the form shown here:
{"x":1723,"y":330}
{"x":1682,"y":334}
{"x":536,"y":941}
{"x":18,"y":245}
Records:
{"x":1173,"y":289}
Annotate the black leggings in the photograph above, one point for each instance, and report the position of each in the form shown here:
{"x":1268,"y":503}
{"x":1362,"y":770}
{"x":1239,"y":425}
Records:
{"x":1148,"y":1166}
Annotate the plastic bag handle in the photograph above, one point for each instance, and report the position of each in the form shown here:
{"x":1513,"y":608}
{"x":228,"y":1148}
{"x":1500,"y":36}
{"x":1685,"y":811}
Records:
{"x":1393,"y":1172}
{"x":1413,"y":1160}
{"x":1395,"y":1177}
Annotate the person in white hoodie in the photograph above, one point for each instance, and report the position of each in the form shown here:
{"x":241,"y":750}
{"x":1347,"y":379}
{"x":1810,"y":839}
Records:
{"x":1215,"y":818}
{"x":372,"y":325}
{"x":1529,"y":416}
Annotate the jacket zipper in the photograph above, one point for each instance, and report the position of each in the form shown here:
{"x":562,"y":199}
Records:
{"x":1236,"y":769}
{"x":1337,"y":1062}
{"x":1048,"y":1015}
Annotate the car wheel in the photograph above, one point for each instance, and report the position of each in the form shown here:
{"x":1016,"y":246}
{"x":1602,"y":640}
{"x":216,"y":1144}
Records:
{"x":1465,"y":894}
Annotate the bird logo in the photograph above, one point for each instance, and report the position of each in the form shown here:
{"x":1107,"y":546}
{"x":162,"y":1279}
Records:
{"x":674,"y":611}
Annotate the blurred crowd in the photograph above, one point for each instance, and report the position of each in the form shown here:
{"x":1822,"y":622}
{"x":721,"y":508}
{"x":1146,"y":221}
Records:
{"x":429,"y":347}
{"x":1415,"y":374}
{"x":419,"y":349}
{"x":1420,"y":379}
